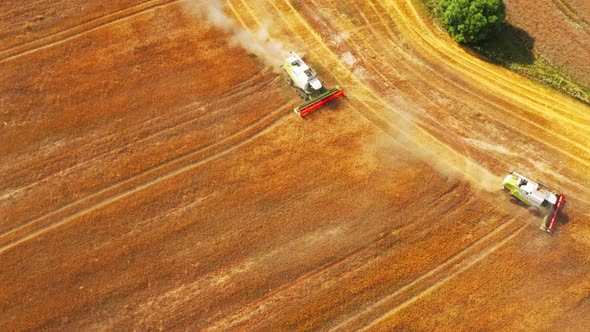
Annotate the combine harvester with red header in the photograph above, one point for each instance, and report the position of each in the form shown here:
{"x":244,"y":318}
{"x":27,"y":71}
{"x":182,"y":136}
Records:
{"x":304,"y":79}
{"x":537,"y":197}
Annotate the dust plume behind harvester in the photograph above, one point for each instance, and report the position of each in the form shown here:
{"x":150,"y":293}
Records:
{"x":537,"y":197}
{"x":305,"y":81}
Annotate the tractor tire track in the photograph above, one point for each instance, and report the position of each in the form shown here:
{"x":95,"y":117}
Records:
{"x":80,"y":29}
{"x":431,"y":125}
{"x":457,"y":271}
{"x":145,"y":179}
{"x":433,"y":279}
{"x":571,"y":14}
{"x":340,"y":269}
{"x":542,"y":105}
{"x":478,"y":70}
{"x":172,"y":121}
{"x":503,"y":111}
{"x":412,"y":137}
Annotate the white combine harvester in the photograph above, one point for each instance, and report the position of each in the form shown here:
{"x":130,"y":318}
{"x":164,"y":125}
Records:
{"x":305,"y":80}
{"x":537,"y":197}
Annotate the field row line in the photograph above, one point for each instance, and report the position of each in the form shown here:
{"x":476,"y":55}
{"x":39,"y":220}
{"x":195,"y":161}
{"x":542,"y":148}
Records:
{"x":141,"y":181}
{"x":432,"y":279}
{"x":572,"y":14}
{"x":462,"y":256}
{"x":80,"y":29}
{"x":184,"y":116}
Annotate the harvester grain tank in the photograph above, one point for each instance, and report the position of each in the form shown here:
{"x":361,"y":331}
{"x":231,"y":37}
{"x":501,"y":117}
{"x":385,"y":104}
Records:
{"x":307,"y":84}
{"x":537,"y":197}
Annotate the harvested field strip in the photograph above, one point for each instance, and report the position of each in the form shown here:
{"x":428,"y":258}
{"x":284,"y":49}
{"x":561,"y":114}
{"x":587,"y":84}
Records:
{"x":344,"y":268}
{"x":173,"y":120}
{"x":539,"y":103}
{"x":432,"y":279}
{"x":373,"y":105}
{"x":240,"y":17}
{"x":520,"y":89}
{"x":433,"y":124}
{"x":557,"y":141}
{"x":70,"y":33}
{"x":459,"y":265}
{"x":138,"y":182}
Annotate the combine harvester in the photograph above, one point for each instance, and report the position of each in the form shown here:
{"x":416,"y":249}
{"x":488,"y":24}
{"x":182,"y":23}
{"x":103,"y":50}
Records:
{"x":304,"y":79}
{"x":537,"y":197}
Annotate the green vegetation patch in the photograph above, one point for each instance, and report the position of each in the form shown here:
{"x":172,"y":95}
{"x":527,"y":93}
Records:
{"x":471,"y":21}
{"x":513,"y":48}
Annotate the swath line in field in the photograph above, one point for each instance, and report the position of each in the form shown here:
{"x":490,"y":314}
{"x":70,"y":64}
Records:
{"x":139,"y":182}
{"x":182,"y":117}
{"x":80,"y":29}
{"x":427,"y":282}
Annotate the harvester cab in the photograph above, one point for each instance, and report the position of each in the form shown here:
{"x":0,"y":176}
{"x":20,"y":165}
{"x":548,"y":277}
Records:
{"x":537,"y":197}
{"x":304,"y":79}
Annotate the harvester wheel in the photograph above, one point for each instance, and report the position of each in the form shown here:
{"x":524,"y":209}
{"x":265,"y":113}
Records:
{"x":534,"y":211}
{"x":302,"y":94}
{"x":513,"y":200}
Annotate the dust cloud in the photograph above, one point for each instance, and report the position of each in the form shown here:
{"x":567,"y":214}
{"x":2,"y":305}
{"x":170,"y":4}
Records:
{"x":273,"y":51}
{"x":452,"y":164}
{"x":260,"y":43}
{"x":408,"y":135}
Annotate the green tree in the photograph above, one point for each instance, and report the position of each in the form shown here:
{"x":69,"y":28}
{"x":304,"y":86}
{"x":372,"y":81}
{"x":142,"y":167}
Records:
{"x":471,"y":21}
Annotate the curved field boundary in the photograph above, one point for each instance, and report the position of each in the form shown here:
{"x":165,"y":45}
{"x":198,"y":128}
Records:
{"x":140,"y":181}
{"x":75,"y":31}
{"x":294,"y":24}
{"x":532,"y":97}
{"x":401,"y":57}
{"x":421,"y":33}
{"x":431,"y":280}
{"x":413,"y":136}
{"x":440,"y":50}
{"x":578,"y":122}
{"x":555,"y":135}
